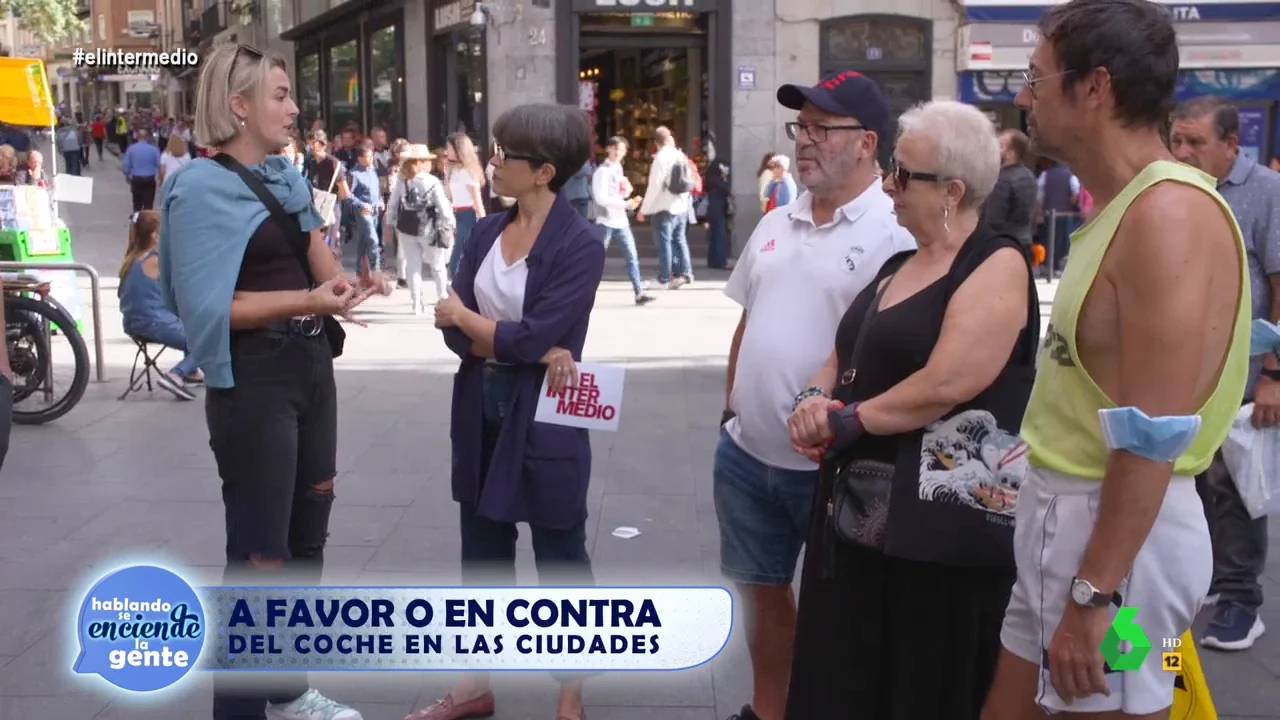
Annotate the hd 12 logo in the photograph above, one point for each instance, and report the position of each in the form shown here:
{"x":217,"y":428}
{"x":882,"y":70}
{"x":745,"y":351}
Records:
{"x":141,"y":628}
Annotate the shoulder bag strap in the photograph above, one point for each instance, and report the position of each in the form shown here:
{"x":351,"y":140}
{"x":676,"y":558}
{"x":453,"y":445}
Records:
{"x":856,"y":356}
{"x":277,"y":211}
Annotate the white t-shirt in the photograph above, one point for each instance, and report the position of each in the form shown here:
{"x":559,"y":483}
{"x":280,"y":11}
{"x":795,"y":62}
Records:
{"x":796,"y":280}
{"x":173,"y":164}
{"x":460,"y":184}
{"x":606,"y":190}
{"x":499,"y":287}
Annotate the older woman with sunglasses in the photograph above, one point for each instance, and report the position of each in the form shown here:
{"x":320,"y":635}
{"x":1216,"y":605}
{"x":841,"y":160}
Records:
{"x":517,"y":315}
{"x":909,"y":554}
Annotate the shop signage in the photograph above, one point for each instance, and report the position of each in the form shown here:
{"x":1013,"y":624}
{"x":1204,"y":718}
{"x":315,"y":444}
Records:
{"x":1253,"y":120}
{"x":998,"y":46}
{"x":746,"y":77}
{"x":643,"y":6}
{"x":453,"y":12}
{"x":1030,"y":10}
{"x":1199,"y":34}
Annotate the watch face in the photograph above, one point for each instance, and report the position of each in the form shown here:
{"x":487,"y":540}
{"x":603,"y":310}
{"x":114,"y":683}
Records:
{"x":1081,"y":592}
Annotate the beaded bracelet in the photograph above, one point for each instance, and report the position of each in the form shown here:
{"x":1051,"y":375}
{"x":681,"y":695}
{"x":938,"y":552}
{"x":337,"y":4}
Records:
{"x":805,"y":394}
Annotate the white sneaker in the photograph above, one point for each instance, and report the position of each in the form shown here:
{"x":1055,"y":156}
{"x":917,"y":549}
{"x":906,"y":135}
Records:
{"x":312,"y":706}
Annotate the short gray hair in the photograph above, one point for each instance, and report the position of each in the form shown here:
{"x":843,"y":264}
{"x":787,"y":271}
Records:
{"x":215,"y":123}
{"x":965,"y":145}
{"x":559,"y":135}
{"x":1226,"y":118}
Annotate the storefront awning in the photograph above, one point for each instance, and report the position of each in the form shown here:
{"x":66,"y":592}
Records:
{"x":332,"y":16}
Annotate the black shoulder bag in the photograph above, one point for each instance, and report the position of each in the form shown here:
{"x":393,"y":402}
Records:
{"x":333,"y":331}
{"x":859,"y":507}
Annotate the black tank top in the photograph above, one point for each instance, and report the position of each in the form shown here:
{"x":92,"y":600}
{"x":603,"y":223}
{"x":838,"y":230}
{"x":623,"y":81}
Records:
{"x":270,"y":262}
{"x":897,"y":344}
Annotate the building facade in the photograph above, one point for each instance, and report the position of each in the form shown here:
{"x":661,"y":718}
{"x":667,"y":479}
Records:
{"x":1230,"y":49}
{"x":124,"y":25}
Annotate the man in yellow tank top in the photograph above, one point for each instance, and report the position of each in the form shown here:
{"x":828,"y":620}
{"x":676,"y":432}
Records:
{"x":1150,"y":323}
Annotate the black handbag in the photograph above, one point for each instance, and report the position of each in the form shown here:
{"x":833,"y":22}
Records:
{"x":859,"y":507}
{"x":333,"y":331}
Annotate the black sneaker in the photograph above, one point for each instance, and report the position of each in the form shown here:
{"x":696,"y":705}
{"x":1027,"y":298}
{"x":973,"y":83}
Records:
{"x":178,"y":391}
{"x":746,"y":713}
{"x":643,"y":299}
{"x":1233,"y":627}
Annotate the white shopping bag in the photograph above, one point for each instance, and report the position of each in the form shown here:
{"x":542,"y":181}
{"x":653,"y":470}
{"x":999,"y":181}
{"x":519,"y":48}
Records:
{"x":1252,"y":456}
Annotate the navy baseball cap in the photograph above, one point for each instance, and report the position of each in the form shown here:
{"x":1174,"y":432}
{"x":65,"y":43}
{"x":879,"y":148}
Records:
{"x":846,"y":93}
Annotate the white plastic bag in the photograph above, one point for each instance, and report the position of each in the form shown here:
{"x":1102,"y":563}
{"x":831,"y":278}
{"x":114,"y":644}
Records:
{"x":1252,"y":456}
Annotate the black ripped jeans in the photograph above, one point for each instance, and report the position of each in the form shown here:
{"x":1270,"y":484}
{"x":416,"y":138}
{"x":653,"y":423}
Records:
{"x":274,"y":436}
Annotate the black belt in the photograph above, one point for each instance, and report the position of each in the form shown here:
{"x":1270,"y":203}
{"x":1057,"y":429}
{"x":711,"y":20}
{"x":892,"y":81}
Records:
{"x":303,"y":325}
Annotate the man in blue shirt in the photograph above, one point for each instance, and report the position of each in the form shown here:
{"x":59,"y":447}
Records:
{"x":366,"y":201}
{"x":141,"y":163}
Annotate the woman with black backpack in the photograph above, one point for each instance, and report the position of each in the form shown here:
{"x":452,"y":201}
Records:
{"x":421,"y":216}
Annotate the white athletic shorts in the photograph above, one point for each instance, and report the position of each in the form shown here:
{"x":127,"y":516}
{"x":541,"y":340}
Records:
{"x":1168,"y":582}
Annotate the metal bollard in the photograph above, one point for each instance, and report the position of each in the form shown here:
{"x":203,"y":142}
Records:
{"x":95,"y":287}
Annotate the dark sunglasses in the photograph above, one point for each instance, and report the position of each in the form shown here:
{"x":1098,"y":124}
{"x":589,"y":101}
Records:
{"x":902,"y":176}
{"x":503,"y":155}
{"x":247,"y":51}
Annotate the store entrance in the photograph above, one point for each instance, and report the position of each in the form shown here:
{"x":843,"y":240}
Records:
{"x":632,"y":85}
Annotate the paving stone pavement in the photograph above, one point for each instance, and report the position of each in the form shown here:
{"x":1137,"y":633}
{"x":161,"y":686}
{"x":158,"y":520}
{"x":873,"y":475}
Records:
{"x":114,"y":480}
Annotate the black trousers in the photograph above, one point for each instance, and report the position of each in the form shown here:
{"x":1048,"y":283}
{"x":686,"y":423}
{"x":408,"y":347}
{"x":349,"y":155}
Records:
{"x":143,"y":190}
{"x":1239,"y":541}
{"x":6,"y":416}
{"x":274,"y":437}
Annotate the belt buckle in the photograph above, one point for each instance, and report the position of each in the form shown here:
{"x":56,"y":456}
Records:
{"x":307,"y":325}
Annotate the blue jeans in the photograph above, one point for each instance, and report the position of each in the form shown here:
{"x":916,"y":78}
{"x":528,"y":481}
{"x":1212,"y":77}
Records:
{"x":628,"y":249}
{"x":669,"y":234}
{"x":169,"y":333}
{"x":370,"y":246}
{"x":466,"y":220}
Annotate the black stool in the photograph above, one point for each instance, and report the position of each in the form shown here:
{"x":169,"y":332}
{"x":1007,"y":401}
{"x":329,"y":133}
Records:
{"x":138,"y":376}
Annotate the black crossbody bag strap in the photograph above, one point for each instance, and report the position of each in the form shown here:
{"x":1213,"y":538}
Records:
{"x":334,"y":333}
{"x":287,"y":222}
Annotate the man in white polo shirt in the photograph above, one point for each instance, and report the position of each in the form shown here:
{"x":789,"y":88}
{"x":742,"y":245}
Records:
{"x":802,"y":268}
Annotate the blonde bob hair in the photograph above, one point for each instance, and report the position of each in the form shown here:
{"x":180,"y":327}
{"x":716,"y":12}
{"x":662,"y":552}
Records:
{"x":176,"y":146}
{"x":229,"y":70}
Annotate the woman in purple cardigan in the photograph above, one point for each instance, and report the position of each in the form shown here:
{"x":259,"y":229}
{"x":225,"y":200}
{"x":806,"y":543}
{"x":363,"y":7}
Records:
{"x":518,"y":313}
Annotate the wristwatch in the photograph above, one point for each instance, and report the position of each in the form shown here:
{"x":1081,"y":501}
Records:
{"x":1270,"y":374}
{"x":1084,"y":594}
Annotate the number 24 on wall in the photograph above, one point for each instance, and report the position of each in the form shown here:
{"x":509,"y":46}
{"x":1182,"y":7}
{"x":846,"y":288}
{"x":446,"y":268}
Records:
{"x":537,"y":36}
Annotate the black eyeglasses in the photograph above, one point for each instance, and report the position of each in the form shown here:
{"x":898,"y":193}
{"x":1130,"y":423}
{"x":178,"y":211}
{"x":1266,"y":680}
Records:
{"x":902,"y":176}
{"x":816,"y":132}
{"x":503,"y":155}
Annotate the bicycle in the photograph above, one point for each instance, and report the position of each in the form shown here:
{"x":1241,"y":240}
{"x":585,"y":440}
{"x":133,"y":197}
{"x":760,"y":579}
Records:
{"x":33,"y":318}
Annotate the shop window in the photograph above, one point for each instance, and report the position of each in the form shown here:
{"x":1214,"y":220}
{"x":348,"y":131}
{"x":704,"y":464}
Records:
{"x":894,"y":51}
{"x":384,"y":68}
{"x":344,"y":86}
{"x":876,"y":40}
{"x":308,"y":90}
